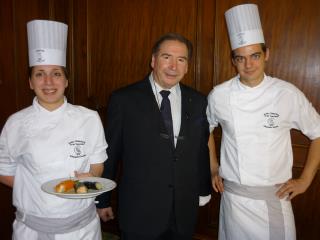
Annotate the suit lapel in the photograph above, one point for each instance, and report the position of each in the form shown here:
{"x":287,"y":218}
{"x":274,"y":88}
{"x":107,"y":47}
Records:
{"x":150,"y":98}
{"x":186,"y":101}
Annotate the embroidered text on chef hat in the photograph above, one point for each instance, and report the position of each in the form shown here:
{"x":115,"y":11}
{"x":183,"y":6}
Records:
{"x":244,"y":26}
{"x":47,"y":42}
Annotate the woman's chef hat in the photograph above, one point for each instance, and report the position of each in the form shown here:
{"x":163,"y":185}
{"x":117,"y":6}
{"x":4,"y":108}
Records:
{"x":47,"y":42}
{"x":244,"y":25}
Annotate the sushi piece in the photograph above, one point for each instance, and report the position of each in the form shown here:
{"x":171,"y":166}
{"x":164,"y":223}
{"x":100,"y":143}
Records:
{"x":80,"y":187}
{"x":64,"y":186}
{"x":93,"y":185}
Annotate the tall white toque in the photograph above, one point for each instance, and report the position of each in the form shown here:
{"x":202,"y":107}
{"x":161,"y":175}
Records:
{"x":47,"y":42}
{"x":244,"y":26}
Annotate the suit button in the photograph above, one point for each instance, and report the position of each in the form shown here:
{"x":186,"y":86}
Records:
{"x":170,"y":186}
{"x":175,"y":159}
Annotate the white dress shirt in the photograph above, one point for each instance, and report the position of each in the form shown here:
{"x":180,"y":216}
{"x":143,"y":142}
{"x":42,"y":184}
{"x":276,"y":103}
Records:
{"x":175,"y":103}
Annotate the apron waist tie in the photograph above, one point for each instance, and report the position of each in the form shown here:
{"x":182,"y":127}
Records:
{"x":267,"y":193}
{"x":48,"y":227}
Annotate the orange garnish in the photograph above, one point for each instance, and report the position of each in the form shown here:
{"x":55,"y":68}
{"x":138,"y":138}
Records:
{"x":65,"y":186}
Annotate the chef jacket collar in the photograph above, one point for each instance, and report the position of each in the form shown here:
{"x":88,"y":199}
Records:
{"x":42,"y":110}
{"x":242,"y":86}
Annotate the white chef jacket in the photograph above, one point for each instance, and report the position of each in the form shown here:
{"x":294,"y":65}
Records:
{"x":256,"y":148}
{"x":37,"y":145}
{"x":256,"y":145}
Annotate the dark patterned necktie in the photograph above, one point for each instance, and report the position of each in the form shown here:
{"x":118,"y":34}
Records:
{"x":165,"y":109}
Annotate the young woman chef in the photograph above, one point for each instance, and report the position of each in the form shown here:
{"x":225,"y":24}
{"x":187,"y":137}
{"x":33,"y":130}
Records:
{"x":48,"y":140}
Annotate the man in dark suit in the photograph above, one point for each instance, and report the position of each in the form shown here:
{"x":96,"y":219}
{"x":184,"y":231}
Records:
{"x":158,"y":128}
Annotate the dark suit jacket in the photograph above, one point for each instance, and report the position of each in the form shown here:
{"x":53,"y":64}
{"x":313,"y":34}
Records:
{"x":155,"y":175}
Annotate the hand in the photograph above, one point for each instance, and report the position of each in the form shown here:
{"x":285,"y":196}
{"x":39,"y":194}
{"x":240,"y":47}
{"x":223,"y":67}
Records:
{"x":7,"y":180}
{"x":292,"y":188}
{"x":216,"y":181}
{"x":105,"y":214}
{"x":82,"y":175}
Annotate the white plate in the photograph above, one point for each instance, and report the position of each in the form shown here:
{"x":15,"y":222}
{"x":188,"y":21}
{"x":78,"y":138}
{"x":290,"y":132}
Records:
{"x":107,"y":185}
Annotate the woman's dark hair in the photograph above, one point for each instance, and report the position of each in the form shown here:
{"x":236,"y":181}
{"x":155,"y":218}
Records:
{"x":64,"y":69}
{"x":175,"y":37}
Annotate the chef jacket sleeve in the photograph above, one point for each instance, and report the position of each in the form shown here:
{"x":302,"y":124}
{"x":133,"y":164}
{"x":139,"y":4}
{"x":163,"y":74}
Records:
{"x":212,"y":119}
{"x":99,"y":154}
{"x":7,"y":163}
{"x":305,"y":117}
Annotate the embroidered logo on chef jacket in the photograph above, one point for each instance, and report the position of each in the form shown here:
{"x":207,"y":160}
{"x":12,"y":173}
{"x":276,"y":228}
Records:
{"x":77,"y":149}
{"x":271,"y":120}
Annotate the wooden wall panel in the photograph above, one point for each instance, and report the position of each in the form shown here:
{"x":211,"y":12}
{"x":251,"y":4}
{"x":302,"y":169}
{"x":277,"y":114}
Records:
{"x":7,"y":81}
{"x":204,"y":73}
{"x":79,"y":53}
{"x":294,"y":43}
{"x":120,"y":37}
{"x":306,"y":210}
{"x":7,"y":212}
{"x":25,"y":11}
{"x":7,"y":103}
{"x":109,"y":46}
{"x":204,"y":45}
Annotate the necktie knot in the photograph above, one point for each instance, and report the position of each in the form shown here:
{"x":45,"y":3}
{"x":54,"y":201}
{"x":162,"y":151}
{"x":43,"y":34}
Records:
{"x":164,"y":93}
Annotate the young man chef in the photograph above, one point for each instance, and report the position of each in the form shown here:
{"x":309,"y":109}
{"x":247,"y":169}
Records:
{"x":51,"y":139}
{"x":256,"y":113}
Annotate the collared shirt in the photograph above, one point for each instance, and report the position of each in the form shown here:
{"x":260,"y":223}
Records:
{"x":175,"y":103}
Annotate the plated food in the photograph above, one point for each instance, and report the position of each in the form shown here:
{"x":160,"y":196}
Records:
{"x":77,"y":186}
{"x":88,"y":187}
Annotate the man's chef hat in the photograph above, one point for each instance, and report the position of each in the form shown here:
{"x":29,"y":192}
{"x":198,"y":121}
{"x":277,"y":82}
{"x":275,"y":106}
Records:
{"x":244,"y":25}
{"x":47,"y":42}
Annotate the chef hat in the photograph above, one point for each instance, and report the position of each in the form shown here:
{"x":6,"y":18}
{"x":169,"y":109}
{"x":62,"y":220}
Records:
{"x":244,"y":25}
{"x":47,"y":42}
